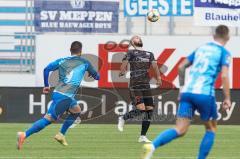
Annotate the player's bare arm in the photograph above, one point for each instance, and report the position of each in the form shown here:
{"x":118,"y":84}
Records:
{"x":157,"y":72}
{"x":51,"y":67}
{"x":123,"y":68}
{"x":181,"y":71}
{"x":226,"y":89}
{"x":46,"y":88}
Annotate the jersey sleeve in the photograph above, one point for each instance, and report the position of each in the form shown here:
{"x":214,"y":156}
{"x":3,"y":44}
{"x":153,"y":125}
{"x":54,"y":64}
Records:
{"x":226,"y":58}
{"x":127,"y":56}
{"x":191,"y":57}
{"x":50,"y":67}
{"x":92,"y":71}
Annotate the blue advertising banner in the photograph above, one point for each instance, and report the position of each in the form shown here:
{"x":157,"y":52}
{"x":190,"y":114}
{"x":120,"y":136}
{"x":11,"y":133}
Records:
{"x":76,"y":16}
{"x":216,"y":12}
{"x":233,"y":4}
{"x":165,"y":7}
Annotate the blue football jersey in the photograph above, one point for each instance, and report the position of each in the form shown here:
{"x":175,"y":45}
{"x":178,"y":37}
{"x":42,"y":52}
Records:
{"x":71,"y":72}
{"x":207,"y":61}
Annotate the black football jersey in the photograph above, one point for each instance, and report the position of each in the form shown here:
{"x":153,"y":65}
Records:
{"x":140,"y":62}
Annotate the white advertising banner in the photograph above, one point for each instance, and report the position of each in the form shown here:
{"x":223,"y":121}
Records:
{"x":168,"y":50}
{"x":216,"y":12}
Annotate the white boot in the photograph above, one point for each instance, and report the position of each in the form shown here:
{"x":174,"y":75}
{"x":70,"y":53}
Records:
{"x":148,"y":150}
{"x":143,"y":139}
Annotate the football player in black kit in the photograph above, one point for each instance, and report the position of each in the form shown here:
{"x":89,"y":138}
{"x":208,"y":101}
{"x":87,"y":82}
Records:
{"x":140,"y":91}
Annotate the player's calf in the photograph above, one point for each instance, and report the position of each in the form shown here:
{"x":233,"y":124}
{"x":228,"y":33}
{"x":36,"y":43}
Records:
{"x":145,"y":126}
{"x":60,"y":137}
{"x":208,"y":139}
{"x":68,"y":122}
{"x":36,"y":127}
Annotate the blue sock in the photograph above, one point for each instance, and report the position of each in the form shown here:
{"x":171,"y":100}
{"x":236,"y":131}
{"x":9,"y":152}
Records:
{"x":37,"y":126}
{"x":165,"y":137}
{"x":206,"y":144}
{"x":68,"y":122}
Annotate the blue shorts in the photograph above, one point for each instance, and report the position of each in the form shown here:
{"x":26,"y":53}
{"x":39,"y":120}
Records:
{"x":60,"y":104}
{"x":204,"y":104}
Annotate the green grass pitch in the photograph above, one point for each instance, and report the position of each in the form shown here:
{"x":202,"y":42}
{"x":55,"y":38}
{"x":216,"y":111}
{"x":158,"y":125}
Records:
{"x":105,"y":142}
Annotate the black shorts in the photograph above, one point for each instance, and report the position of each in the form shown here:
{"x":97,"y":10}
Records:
{"x":141,"y":93}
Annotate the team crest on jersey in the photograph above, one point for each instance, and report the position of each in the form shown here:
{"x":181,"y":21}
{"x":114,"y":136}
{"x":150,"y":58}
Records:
{"x":142,"y":59}
{"x":77,"y":3}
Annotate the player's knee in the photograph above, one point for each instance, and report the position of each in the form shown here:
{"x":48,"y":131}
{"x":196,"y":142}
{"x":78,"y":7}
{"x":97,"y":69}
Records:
{"x":76,"y":109}
{"x":75,"y":115}
{"x":141,"y":106}
{"x":211,"y":126}
{"x":149,"y":108}
{"x":72,"y":116}
{"x":49,"y":118}
{"x":212,"y":130}
{"x":182,"y":131}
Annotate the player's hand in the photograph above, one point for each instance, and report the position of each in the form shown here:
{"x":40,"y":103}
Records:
{"x":226,"y":104}
{"x":46,"y":90}
{"x":159,"y":81}
{"x":179,"y":94}
{"x":121,"y":74}
{"x":89,"y":75}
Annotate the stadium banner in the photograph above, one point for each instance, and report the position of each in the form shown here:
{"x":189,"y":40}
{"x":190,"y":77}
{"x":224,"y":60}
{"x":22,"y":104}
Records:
{"x":106,"y":53}
{"x":99,"y":16}
{"x":19,"y":105}
{"x":165,"y":7}
{"x":215,"y":12}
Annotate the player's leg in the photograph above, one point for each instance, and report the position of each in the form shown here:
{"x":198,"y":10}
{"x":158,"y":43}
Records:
{"x":39,"y":125}
{"x":184,"y":116}
{"x":74,"y":113}
{"x":137,"y":100}
{"x":208,"y":139}
{"x":149,"y":106}
{"x":36,"y":127}
{"x":138,"y":110}
{"x":148,"y":101}
{"x":166,"y":137}
{"x":208,"y":111}
{"x":182,"y":125}
{"x":59,"y":105}
{"x":185,"y":113}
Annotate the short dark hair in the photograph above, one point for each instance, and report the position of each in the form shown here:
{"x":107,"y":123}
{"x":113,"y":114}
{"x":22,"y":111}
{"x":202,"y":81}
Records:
{"x":76,"y":47}
{"x":222,"y":31}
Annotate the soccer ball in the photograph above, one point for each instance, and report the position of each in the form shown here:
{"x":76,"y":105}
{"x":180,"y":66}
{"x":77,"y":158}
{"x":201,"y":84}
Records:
{"x":153,"y":15}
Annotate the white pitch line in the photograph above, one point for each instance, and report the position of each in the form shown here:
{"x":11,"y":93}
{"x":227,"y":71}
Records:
{"x":84,"y":157}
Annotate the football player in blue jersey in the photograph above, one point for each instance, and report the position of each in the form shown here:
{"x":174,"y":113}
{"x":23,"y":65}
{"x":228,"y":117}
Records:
{"x":198,"y":93}
{"x":71,"y":72}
